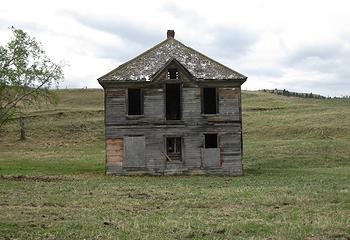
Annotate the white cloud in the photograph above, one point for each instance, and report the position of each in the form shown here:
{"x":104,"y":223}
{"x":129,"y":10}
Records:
{"x":297,"y":45}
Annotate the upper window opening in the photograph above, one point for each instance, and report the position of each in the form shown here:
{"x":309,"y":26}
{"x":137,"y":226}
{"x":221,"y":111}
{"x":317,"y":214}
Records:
{"x":135,"y":101}
{"x":173,"y":73}
{"x":210,"y":140}
{"x":173,"y":101}
{"x":210,"y":101}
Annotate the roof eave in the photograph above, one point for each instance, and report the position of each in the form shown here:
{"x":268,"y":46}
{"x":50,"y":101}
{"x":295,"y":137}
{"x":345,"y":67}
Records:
{"x":121,"y":83}
{"x":239,"y":79}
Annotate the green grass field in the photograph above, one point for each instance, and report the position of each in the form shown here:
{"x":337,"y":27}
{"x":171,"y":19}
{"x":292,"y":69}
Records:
{"x":296,"y":183}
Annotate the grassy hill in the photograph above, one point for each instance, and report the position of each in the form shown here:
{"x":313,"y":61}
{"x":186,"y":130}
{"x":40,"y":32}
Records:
{"x":296,"y":183}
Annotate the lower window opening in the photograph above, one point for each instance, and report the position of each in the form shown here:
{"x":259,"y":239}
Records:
{"x":210,"y":140}
{"x":173,"y":148}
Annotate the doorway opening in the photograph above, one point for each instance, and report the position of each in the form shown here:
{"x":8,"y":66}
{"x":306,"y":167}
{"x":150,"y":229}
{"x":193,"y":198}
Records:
{"x":173,"y":101}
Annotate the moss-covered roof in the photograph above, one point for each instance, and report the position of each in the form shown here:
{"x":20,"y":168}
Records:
{"x":144,"y":66}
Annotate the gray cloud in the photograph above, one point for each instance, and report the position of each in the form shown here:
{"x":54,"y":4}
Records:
{"x":181,"y":13}
{"x":317,"y":51}
{"x":128,"y":30}
{"x":317,"y":57}
{"x":332,"y":60}
{"x":121,"y":53}
{"x":25,"y":26}
{"x":274,"y":71}
{"x":230,"y":42}
{"x":136,"y":36}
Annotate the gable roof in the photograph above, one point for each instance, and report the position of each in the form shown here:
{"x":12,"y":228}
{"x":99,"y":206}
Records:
{"x":147,"y":64}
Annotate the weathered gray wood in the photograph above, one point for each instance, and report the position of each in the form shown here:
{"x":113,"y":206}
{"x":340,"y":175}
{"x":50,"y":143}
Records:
{"x":134,"y":148}
{"x":145,"y":154}
{"x":114,"y":152}
{"x":211,"y":158}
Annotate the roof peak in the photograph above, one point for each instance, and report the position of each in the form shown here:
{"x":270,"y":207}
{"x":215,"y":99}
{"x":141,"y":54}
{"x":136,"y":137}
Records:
{"x":145,"y":65}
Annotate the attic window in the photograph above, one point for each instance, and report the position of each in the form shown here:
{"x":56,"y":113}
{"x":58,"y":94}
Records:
{"x":135,"y":101}
{"x":209,"y":101}
{"x":173,"y":73}
{"x":210,"y":140}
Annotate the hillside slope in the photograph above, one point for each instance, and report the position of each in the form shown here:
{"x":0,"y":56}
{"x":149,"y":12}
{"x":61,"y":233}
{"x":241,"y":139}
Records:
{"x":279,"y":132}
{"x":296,"y":182}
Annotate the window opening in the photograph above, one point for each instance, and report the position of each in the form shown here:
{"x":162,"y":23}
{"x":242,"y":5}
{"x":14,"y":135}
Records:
{"x":210,"y":101}
{"x":173,"y":73}
{"x":173,"y":148}
{"x":135,"y":101}
{"x":173,"y":101}
{"x":210,"y":140}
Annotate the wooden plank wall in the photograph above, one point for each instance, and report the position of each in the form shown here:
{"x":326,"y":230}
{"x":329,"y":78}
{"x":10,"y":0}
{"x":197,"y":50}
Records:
{"x":114,"y":152}
{"x":115,"y":106}
{"x":191,"y":128}
{"x":134,"y":152}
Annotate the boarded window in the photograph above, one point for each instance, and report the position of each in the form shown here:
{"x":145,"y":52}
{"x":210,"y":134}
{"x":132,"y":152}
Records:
{"x":210,"y":140}
{"x":134,"y":152}
{"x":211,"y":158}
{"x":209,"y":101}
{"x":173,"y":101}
{"x":173,"y":145}
{"x":135,"y":101}
{"x":114,"y":151}
{"x":173,"y":73}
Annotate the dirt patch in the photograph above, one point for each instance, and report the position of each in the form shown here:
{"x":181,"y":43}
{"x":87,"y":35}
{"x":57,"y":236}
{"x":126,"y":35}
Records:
{"x":32,"y":178}
{"x":340,"y":236}
{"x":139,"y":195}
{"x":90,"y":174}
{"x":257,"y":109}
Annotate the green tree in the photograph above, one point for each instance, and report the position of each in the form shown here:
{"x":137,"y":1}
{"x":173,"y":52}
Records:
{"x":26,"y":74}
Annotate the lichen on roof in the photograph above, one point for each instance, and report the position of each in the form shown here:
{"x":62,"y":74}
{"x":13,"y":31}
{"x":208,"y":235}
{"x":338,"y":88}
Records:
{"x":144,"y":66}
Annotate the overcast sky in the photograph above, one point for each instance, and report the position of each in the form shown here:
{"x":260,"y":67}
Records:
{"x":296,"y":45}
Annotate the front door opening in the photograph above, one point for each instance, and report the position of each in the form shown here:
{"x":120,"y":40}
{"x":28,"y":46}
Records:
{"x":173,"y":101}
{"x":173,"y":148}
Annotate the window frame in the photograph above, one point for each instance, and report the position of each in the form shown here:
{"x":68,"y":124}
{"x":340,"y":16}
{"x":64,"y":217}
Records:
{"x":141,"y":103}
{"x":166,"y":137}
{"x":176,"y":71}
{"x":217,"y":140}
{"x":174,"y":81}
{"x":216,"y":103}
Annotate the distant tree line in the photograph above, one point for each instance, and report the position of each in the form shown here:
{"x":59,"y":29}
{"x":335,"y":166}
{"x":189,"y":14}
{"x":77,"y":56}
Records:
{"x":287,"y":93}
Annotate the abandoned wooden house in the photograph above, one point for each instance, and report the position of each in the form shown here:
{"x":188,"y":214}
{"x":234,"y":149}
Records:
{"x":173,"y":110}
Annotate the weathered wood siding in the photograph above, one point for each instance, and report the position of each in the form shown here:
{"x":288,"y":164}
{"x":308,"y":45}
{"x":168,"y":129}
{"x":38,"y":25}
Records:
{"x":115,"y":106}
{"x":229,"y":144}
{"x":211,"y":158}
{"x":114,"y":152}
{"x":134,"y":152}
{"x":152,"y":127}
{"x":229,"y":103}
